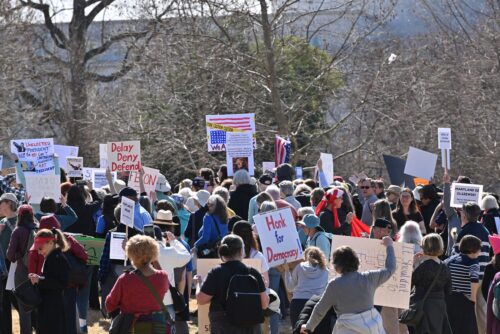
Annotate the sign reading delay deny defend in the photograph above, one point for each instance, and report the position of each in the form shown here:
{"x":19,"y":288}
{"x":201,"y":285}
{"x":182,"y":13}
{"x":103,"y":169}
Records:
{"x":124,"y":156}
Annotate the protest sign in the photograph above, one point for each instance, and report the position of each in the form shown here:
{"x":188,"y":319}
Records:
{"x":239,"y":152}
{"x":43,"y":185}
{"x":63,"y":152}
{"x":93,"y":248}
{"x":203,"y":267}
{"x":150,"y":179}
{"x":446,"y":159}
{"x":444,"y":138}
{"x":1,"y":161}
{"x":372,"y":254}
{"x":32,"y":152}
{"x":218,"y":126}
{"x":420,"y":163}
{"x":116,"y":251}
{"x":127,"y":212}
{"x":99,"y":178}
{"x":75,"y":166}
{"x":268,"y":167}
{"x":462,"y":193}
{"x":87,"y":173}
{"x":103,"y":156}
{"x":395,"y":168}
{"x":278,"y":236}
{"x":327,"y":160}
{"x":357,"y":177}
{"x":124,"y":156}
{"x":298,"y":173}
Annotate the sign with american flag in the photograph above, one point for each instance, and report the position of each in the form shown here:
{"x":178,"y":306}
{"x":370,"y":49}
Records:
{"x":282,"y":148}
{"x":219,"y":125}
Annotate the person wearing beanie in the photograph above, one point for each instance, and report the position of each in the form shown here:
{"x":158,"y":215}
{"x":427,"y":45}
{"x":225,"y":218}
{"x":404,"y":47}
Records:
{"x":491,"y":214}
{"x":200,"y":200}
{"x":327,"y":211}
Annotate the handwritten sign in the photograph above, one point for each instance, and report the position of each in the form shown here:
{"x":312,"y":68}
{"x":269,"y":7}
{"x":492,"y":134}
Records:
{"x":93,"y":248}
{"x":43,"y":185}
{"x":444,"y":138}
{"x":63,"y":152}
{"x":127,"y":212}
{"x":74,"y":166}
{"x":31,"y":152}
{"x":203,"y":268}
{"x":44,"y":164}
{"x":462,"y":193}
{"x":278,"y":236}
{"x":150,"y":179}
{"x":327,"y":160}
{"x":218,"y":126}
{"x":239,"y":152}
{"x":420,"y":163}
{"x":124,"y":156}
{"x":372,"y":254}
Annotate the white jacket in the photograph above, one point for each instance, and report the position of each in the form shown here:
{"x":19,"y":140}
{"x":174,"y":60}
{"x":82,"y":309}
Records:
{"x":172,"y":257}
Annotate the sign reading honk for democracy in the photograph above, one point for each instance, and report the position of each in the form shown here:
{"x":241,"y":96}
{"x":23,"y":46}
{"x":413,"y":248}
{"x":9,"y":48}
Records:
{"x":124,"y":156}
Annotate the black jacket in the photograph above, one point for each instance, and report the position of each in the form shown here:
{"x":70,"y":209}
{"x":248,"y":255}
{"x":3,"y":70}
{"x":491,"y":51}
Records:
{"x":324,"y":327}
{"x":85,"y":223}
{"x":194,"y":225}
{"x":240,"y":199}
{"x":489,"y":220}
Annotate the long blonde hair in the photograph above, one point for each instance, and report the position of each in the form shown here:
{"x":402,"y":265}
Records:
{"x":315,"y":257}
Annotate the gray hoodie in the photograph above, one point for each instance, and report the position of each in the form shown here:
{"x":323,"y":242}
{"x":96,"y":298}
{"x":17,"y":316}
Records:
{"x":306,"y":280}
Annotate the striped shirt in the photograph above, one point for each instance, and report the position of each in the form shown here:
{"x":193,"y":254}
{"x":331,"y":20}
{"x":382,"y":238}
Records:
{"x":478,"y":230}
{"x":464,"y":271}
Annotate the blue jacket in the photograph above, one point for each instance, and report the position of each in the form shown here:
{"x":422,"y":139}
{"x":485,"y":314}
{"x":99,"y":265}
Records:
{"x":66,"y":220}
{"x":208,"y":232}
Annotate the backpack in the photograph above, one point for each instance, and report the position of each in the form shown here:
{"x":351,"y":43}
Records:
{"x":78,"y":270}
{"x":496,"y":300}
{"x":31,"y":240}
{"x":243,"y":305}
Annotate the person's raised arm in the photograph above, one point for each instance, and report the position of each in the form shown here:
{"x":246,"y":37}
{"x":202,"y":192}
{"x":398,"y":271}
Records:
{"x":449,"y":211}
{"x":433,"y":223}
{"x":109,"y":178}
{"x":142,"y":188}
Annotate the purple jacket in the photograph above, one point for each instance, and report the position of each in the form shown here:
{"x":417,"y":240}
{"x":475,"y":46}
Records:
{"x":492,"y":323}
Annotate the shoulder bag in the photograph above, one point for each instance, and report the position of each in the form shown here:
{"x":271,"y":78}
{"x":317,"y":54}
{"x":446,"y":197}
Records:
{"x":414,"y":314}
{"x":209,"y":250}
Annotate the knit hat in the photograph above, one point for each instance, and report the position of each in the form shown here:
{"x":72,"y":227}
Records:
{"x":9,"y":197}
{"x":489,"y":202}
{"x":202,"y":197}
{"x":199,"y":182}
{"x":191,"y":204}
{"x":49,"y":222}
{"x":128,"y":192}
{"x":330,"y":196}
{"x":162,"y":184}
{"x":495,"y":243}
{"x":25,"y":208}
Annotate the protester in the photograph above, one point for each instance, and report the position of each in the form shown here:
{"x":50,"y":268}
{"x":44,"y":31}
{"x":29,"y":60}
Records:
{"x":224,"y":193}
{"x":307,"y":279}
{"x":52,"y":282}
{"x":367,"y":187}
{"x":410,"y":234}
{"x":275,"y":194}
{"x":137,"y":292}
{"x":253,"y":208}
{"x":493,"y":267}
{"x":352,"y":293}
{"x":430,"y":200}
{"x":427,"y":267}
{"x":141,"y":215}
{"x":214,"y":225}
{"x":317,"y":195}
{"x":48,"y":206}
{"x":286,"y":189}
{"x":316,"y":236}
{"x":452,"y":217}
{"x":407,"y":209}
{"x":182,"y":213}
{"x":327,"y":211}
{"x":493,"y":322}
{"x":382,"y":209}
{"x":106,"y":221}
{"x":215,"y":289}
{"x":379,"y":189}
{"x":491,"y":214}
{"x":196,"y":219}
{"x":302,"y":194}
{"x":222,"y":174}
{"x":240,"y":197}
{"x":392,"y":194}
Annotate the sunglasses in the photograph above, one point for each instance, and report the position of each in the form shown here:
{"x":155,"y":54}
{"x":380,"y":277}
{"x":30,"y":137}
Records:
{"x":364,"y":187}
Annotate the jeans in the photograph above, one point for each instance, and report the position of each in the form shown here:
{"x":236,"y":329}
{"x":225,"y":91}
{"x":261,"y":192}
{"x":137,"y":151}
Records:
{"x":24,"y":319}
{"x":274,"y":284}
{"x":82,"y":296}
{"x":70,"y":310}
{"x":171,"y":311}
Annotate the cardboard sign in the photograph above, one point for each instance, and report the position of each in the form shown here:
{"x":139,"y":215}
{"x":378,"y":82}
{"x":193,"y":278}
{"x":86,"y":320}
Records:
{"x":444,"y":138}
{"x":298,"y":173}
{"x":327,"y":160}
{"x":268,"y":166}
{"x":372,"y":254}
{"x":150,"y":179}
{"x":127,"y":212}
{"x":93,"y":248}
{"x":43,"y":185}
{"x":63,"y":152}
{"x":103,"y":156}
{"x":420,"y":163}
{"x":239,"y":152}
{"x":33,"y":151}
{"x":116,"y":251}
{"x":203,"y":268}
{"x":278,"y":236}
{"x":462,"y":193}
{"x":218,"y":126}
{"x":124,"y":156}
{"x":75,"y":166}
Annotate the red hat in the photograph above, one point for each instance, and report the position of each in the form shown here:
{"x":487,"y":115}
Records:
{"x":40,"y":241}
{"x":330,"y":196}
{"x":49,"y":222}
{"x":25,"y":208}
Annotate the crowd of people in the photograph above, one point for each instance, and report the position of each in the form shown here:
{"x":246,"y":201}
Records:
{"x":456,"y":270}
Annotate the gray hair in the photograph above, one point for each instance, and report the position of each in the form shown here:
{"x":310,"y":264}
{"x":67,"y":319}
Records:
{"x":410,"y":233}
{"x":286,"y":188}
{"x":241,"y":177}
{"x":302,"y":189}
{"x":222,"y":192}
{"x":306,"y":210}
{"x":472,"y":211}
{"x":273,"y":191}
{"x":268,"y":206}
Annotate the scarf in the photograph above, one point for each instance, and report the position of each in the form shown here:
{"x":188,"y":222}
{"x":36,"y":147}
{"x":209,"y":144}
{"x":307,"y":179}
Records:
{"x":329,"y":198}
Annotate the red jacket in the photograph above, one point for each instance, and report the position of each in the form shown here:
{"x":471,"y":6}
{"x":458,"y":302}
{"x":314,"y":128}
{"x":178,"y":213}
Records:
{"x":36,"y":260}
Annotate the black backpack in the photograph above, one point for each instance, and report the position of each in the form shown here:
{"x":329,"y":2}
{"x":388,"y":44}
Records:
{"x":243,"y":305}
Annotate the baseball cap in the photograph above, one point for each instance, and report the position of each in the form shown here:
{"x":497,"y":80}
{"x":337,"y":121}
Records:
{"x":49,"y":222}
{"x":128,"y":192}
{"x":199,"y":182}
{"x":266,"y":179}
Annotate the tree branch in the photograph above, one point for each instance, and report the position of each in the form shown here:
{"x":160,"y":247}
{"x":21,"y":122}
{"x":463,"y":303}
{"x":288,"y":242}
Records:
{"x":117,"y":38}
{"x":96,"y":10}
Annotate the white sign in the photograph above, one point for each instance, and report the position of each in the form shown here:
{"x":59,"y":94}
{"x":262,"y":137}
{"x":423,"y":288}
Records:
{"x":268,"y":166}
{"x":43,"y":185}
{"x":150,"y":179}
{"x":99,"y":178}
{"x":444,"y":138}
{"x":239,"y":152}
{"x":298,"y":173}
{"x":116,"y":251}
{"x":87,"y":173}
{"x":462,"y":193}
{"x":278,"y":236}
{"x":127,"y":212}
{"x":11,"y":284}
{"x":446,"y":159}
{"x":420,"y":163}
{"x":327,"y":160}
{"x":63,"y":152}
{"x":357,"y":177}
{"x":103,"y":156}
{"x":124,"y":156}
{"x":1,"y":161}
{"x":218,"y":126}
{"x":31,"y":152}
{"x":75,"y":166}
{"x":203,"y":267}
{"x":372,"y":254}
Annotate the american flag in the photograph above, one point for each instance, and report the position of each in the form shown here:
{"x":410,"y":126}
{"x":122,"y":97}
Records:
{"x":237,"y":122}
{"x":217,"y":137}
{"x":282,"y":149}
